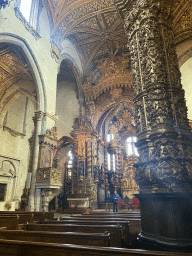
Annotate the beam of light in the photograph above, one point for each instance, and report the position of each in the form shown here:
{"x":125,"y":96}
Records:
{"x":25,"y":8}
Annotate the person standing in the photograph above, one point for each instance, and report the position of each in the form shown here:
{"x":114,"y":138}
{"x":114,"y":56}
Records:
{"x":108,"y":201}
{"x":115,"y":201}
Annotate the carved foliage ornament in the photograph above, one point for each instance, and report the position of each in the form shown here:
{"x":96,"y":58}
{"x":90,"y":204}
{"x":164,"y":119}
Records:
{"x":111,"y":73}
{"x":52,"y":132}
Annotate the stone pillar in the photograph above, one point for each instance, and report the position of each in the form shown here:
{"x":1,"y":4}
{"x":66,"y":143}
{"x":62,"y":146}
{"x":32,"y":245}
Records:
{"x":37,"y":123}
{"x":38,"y":206}
{"x":164,"y":171}
{"x":45,"y":199}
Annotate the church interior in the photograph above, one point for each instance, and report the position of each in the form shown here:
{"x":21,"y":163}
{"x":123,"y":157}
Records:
{"x":95,"y":99}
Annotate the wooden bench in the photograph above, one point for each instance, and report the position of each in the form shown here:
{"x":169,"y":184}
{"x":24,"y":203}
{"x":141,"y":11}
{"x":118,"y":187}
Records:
{"x":37,"y":216}
{"x":98,"y":219}
{"x":134,"y":226}
{"x":23,"y":248}
{"x":9,"y":222}
{"x":57,"y":237}
{"x":109,"y":216}
{"x":114,"y":230}
{"x":22,"y":218}
{"x":112,"y":213}
{"x":124,"y":224}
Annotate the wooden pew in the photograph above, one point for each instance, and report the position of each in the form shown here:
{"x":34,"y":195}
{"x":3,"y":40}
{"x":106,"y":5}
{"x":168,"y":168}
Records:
{"x":114,"y":230}
{"x":122,"y":216}
{"x":37,"y":216}
{"x":114,"y":213}
{"x":40,"y":216}
{"x":134,"y":226}
{"x":98,"y":219}
{"x":22,"y":218}
{"x":57,"y":237}
{"x":9,"y":222}
{"x":124,"y":224}
{"x":23,"y":248}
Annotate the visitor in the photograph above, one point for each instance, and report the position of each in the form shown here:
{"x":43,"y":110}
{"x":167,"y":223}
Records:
{"x":115,"y":201}
{"x":108,"y":201}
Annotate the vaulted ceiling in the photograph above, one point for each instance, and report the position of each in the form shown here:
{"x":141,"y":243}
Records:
{"x":13,"y":67}
{"x":93,"y":26}
{"x":96,"y":29}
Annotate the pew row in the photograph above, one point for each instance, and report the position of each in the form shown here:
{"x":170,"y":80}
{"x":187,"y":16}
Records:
{"x":9,"y":222}
{"x":124,"y":224}
{"x":57,"y":237}
{"x":115,"y":231}
{"x":22,"y":218}
{"x":115,"y":216}
{"x":23,"y":248}
{"x":37,"y":216}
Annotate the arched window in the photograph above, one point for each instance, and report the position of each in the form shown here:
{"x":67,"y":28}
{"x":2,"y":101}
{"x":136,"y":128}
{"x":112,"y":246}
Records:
{"x":110,"y":137}
{"x":25,"y":8}
{"x":130,"y":146}
{"x":111,"y":162}
{"x":70,"y":159}
{"x":69,"y":163}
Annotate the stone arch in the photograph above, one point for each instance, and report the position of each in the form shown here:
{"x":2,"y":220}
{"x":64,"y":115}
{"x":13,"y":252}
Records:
{"x":185,"y":56}
{"x":39,"y":83}
{"x":75,"y":69}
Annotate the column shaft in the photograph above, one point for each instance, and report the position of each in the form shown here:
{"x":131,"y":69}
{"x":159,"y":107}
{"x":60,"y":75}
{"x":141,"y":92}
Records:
{"x":164,"y":143}
{"x":37,"y":122}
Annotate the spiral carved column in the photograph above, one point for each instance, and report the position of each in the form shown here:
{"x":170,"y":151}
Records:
{"x":164,"y":171}
{"x":89,"y":158}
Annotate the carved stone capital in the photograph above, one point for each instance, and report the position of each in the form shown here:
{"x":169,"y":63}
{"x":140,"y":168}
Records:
{"x":38,"y":117}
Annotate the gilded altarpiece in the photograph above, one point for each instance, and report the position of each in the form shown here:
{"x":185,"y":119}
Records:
{"x":110,"y":110}
{"x":83,"y":190}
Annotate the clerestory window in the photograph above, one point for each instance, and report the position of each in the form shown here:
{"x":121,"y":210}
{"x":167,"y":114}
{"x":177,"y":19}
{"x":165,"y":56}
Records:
{"x":130,"y":146}
{"x":25,"y":8}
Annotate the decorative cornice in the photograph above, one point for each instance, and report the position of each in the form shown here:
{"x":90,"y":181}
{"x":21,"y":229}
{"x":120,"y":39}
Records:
{"x":19,"y":15}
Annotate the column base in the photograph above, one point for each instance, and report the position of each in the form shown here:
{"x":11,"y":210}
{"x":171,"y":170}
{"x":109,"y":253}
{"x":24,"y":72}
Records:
{"x":166,"y":220}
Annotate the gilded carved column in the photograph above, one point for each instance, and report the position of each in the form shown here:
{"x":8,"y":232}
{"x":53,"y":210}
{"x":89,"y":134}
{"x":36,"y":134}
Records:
{"x":89,"y":158}
{"x":164,"y":171}
{"x":37,"y":123}
{"x":105,"y":156}
{"x":161,"y":114}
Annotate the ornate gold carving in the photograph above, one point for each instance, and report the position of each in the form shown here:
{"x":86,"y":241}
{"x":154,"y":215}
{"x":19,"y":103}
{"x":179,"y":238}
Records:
{"x":128,"y":181}
{"x":116,"y":93}
{"x":161,"y":115}
{"x":13,"y":67}
{"x":52,"y":132}
{"x":112,"y":73}
{"x":48,"y":175}
{"x":7,"y":206}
